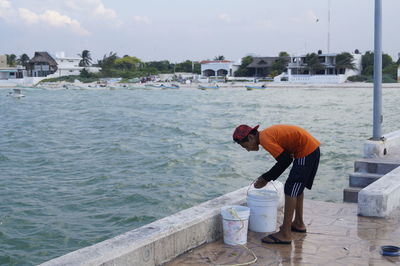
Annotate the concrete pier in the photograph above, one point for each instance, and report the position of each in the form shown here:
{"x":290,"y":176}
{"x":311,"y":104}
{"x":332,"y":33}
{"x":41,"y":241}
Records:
{"x":380,"y":158}
{"x":335,"y":236}
{"x":337,"y":233}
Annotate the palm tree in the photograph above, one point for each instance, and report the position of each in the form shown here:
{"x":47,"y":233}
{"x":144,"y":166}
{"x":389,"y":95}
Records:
{"x":86,"y":58}
{"x":219,"y":58}
{"x":280,"y":64}
{"x":11,"y":60}
{"x":23,"y":60}
{"x":344,"y":61}
{"x":313,"y":63}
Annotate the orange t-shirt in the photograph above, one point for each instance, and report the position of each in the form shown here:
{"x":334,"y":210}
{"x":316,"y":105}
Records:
{"x":293,"y":139}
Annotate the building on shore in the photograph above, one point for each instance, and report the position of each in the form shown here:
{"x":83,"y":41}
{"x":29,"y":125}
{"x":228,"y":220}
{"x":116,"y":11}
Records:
{"x":67,"y":66}
{"x":8,"y":72}
{"x":263,"y":65}
{"x":298,"y":71}
{"x":218,"y":69}
{"x":45,"y":65}
{"x":41,"y":65}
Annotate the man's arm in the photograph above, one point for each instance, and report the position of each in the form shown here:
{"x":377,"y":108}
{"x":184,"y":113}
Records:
{"x":283,"y":161}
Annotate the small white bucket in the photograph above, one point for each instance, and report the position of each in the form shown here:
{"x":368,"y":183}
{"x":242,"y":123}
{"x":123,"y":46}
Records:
{"x":235,"y":222}
{"x":263,"y":206}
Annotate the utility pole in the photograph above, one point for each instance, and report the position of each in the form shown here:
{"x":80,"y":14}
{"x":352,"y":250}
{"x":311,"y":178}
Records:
{"x":329,"y":24}
{"x":377,"y":107}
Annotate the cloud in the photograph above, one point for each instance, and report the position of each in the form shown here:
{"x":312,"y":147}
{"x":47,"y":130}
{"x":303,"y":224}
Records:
{"x":5,"y":7}
{"x":141,"y":19}
{"x":224,"y":17}
{"x":28,"y":16}
{"x":52,"y":18}
{"x":94,"y":7}
{"x":4,"y":4}
{"x":103,"y":11}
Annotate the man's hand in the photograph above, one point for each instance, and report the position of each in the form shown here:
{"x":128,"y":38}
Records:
{"x":261,"y":182}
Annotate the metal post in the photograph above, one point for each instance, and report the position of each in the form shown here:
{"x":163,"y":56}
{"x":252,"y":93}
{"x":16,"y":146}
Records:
{"x":329,"y":25}
{"x":377,"y":109}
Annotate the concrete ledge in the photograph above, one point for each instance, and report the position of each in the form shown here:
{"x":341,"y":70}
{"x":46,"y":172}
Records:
{"x":381,"y":197}
{"x":164,"y":239}
{"x":381,"y":148}
{"x":160,"y":241}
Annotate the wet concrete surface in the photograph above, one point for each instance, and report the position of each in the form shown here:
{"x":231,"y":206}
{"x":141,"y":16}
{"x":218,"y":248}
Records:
{"x":335,"y":236}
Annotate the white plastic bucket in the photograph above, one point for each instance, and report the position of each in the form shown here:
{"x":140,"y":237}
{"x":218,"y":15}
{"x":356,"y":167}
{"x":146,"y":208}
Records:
{"x":263,"y":206}
{"x":235,"y":222}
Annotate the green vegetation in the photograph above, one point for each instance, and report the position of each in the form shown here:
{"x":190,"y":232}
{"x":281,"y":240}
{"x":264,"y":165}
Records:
{"x":219,"y":58}
{"x":313,"y":63}
{"x":132,"y":68}
{"x":280,"y":64}
{"x":243,"y":71}
{"x":23,"y":60}
{"x":389,"y":69}
{"x":70,"y":79}
{"x":344,"y":61}
{"x":129,"y":67}
{"x":11,"y":60}
{"x":86,"y":58}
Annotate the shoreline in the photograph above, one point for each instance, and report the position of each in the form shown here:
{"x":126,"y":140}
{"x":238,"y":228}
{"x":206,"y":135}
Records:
{"x":269,"y":85}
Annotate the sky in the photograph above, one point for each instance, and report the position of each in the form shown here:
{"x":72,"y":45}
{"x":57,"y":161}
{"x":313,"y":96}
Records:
{"x":178,"y":30}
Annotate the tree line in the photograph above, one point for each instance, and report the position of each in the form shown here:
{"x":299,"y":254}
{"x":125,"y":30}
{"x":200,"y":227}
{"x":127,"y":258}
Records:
{"x":128,"y":67}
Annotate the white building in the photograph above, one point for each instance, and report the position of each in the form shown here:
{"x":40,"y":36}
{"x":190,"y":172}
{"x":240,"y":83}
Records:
{"x":299,"y":72}
{"x":68,"y":66}
{"x":7,"y":72}
{"x":398,"y":74}
{"x":223,"y":68}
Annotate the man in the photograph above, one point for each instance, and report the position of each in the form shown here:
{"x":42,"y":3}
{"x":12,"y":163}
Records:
{"x":285,"y":143}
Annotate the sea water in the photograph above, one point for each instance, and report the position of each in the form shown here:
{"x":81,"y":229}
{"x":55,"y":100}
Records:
{"x":80,"y":166}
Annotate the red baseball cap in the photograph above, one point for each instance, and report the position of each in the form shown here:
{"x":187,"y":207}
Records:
{"x":242,"y":132}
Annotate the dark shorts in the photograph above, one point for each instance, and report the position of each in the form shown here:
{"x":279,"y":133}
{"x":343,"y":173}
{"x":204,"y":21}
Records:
{"x":302,"y":174}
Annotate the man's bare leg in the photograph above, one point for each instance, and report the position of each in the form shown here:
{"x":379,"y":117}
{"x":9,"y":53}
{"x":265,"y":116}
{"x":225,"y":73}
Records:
{"x":298,"y":222}
{"x":285,"y":232}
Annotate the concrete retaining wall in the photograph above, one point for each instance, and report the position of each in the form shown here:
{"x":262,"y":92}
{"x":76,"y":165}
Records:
{"x":381,"y":148}
{"x":164,"y":239}
{"x":381,"y":197}
{"x":160,"y":241}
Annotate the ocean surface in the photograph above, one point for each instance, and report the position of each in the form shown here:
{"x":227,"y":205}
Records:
{"x":80,"y":166}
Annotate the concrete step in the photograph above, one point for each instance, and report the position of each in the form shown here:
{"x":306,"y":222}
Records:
{"x":362,"y":179}
{"x":350,"y":194}
{"x":375,"y":165}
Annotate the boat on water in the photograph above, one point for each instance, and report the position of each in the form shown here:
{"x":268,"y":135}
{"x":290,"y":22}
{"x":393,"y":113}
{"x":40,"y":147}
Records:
{"x":16,"y":93}
{"x":162,"y":86}
{"x":172,"y":86}
{"x":151,"y":86}
{"x":202,"y":87}
{"x":249,"y":88}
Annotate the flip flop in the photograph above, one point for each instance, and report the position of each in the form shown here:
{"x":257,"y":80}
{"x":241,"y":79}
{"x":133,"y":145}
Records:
{"x":294,"y":229}
{"x":275,"y":240}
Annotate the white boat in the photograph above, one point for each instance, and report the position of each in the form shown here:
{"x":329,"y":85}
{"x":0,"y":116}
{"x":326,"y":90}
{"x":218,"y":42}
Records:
{"x":210,"y":87}
{"x":249,"y":88}
{"x":16,"y":93}
{"x":172,"y":86}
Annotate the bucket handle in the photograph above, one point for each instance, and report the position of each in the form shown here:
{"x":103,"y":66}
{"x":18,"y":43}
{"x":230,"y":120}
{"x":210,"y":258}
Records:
{"x":272,"y":182}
